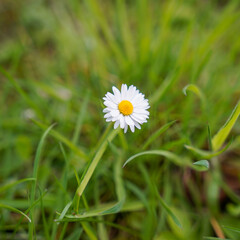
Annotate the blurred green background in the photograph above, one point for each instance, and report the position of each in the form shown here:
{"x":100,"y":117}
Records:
{"x":59,"y":58}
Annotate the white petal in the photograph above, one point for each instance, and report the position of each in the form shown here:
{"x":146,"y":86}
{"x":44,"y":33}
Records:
{"x":115,"y":113}
{"x":131,"y":93}
{"x":128,"y":95}
{"x":117,"y":94}
{"x":107,"y":115}
{"x":141,"y":111}
{"x":112,"y":98}
{"x":138,"y":118}
{"x":105,"y":110}
{"x":109,"y":119}
{"x":129,"y":121}
{"x":125,"y":128}
{"x":123,"y":91}
{"x":142,"y":104}
{"x":110,"y":104}
{"x":137,"y":125}
{"x":107,"y":97}
{"x":138,"y":98}
{"x":122,"y":121}
{"x":132,"y":128}
{"x":116,"y":124}
{"x":115,"y":118}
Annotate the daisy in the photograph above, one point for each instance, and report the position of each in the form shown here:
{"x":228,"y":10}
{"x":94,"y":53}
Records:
{"x":126,"y":108}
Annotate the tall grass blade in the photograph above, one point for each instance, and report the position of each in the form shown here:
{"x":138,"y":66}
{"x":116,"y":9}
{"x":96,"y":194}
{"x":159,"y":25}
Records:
{"x":80,"y":119}
{"x":157,"y":134}
{"x":164,"y":87}
{"x":121,"y":195}
{"x":35,"y":172}
{"x":167,"y":209}
{"x":21,"y":91}
{"x":223,"y":133}
{"x":64,"y":140}
{"x":209,"y":138}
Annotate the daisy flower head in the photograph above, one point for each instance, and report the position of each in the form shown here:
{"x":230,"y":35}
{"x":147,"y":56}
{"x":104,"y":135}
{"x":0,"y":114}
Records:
{"x":127,"y":107}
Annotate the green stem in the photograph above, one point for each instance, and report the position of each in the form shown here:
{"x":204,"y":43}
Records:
{"x":88,"y":174}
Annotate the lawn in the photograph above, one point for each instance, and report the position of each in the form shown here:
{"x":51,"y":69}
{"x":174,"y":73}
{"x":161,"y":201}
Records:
{"x":66,"y":173}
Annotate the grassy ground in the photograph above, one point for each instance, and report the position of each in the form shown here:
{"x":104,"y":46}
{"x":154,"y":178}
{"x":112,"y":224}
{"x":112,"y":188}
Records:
{"x":58,"y":59}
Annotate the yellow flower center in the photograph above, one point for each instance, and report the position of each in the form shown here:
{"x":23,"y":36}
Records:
{"x":125,"y":107}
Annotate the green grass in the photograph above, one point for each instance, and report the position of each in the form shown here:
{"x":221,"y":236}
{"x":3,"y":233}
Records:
{"x":67,"y":181}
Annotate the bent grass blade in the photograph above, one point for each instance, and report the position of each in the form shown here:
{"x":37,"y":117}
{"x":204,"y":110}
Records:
{"x":207,"y":154}
{"x":170,"y":156}
{"x":223,"y":133}
{"x":15,"y":210}
{"x":195,"y":89}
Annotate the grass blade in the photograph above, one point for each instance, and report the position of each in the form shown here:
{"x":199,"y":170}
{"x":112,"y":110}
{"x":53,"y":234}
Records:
{"x":207,"y":154}
{"x":200,"y":65}
{"x":35,"y":171}
{"x":15,"y":210}
{"x":27,"y":211}
{"x":223,"y":133}
{"x":237,"y":230}
{"x":167,"y":209}
{"x":209,"y":138}
{"x":64,"y":140}
{"x":76,"y":234}
{"x":80,"y":119}
{"x":88,"y":174}
{"x":121,"y":195}
{"x":174,"y":158}
{"x":158,"y":133}
{"x":45,"y":223}
{"x":64,"y":211}
{"x":195,"y":89}
{"x":163,"y":88}
{"x":9,"y":185}
{"x":20,"y":91}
